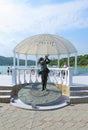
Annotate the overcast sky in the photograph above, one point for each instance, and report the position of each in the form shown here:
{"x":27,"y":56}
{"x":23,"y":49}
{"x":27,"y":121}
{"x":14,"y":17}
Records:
{"x":20,"y":19}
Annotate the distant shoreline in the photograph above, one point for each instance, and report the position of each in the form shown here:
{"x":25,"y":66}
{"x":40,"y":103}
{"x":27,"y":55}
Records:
{"x":82,"y":61}
{"x":3,"y":69}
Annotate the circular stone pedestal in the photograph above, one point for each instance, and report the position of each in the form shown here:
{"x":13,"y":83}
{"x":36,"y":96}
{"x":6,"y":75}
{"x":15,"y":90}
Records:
{"x":33,"y":95}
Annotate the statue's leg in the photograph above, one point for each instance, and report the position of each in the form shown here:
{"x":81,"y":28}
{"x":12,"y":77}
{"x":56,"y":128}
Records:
{"x":42,"y":81}
{"x":43,"y":87}
{"x":45,"y":80}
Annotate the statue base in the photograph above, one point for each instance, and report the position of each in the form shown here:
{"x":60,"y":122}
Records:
{"x":33,"y":94}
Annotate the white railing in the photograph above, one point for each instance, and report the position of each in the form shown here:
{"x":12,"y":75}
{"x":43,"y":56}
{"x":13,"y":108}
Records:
{"x":30,"y":75}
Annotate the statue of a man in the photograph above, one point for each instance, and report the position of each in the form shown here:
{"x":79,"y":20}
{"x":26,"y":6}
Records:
{"x":44,"y":70}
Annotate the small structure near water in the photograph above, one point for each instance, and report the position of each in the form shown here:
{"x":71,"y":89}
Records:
{"x":43,"y":44}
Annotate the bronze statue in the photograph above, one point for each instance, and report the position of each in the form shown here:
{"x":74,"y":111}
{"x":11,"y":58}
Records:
{"x":44,"y":70}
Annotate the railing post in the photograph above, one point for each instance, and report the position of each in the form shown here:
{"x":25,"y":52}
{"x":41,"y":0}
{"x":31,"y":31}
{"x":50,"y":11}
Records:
{"x":14,"y":76}
{"x":19,"y":76}
{"x":36,"y":75}
{"x":25,"y":76}
{"x":69,"y":79}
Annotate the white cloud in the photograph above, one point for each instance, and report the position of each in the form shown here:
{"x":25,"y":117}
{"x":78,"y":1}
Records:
{"x":20,"y":17}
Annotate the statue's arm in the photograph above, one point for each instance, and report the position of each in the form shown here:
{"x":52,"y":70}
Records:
{"x":47,"y":61}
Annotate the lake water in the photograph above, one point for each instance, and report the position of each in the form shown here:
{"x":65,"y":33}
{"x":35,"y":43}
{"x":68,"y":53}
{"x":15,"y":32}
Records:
{"x":3,"y":70}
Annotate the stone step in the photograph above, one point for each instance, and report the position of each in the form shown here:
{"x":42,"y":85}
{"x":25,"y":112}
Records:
{"x":5,"y":92}
{"x":78,"y":92}
{"x":79,"y":88}
{"x":5,"y":98}
{"x":79,"y":99}
{"x":6,"y":87}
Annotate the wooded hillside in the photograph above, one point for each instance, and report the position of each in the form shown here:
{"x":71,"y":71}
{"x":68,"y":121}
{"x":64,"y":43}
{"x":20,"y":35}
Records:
{"x":8,"y":61}
{"x":82,"y":60}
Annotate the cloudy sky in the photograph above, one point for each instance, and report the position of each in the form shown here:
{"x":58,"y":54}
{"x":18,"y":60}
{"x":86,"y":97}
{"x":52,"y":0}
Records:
{"x":20,"y":19}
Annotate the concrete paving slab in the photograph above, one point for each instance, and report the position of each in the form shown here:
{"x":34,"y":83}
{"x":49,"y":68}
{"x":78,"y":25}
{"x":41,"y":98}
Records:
{"x":67,"y":118}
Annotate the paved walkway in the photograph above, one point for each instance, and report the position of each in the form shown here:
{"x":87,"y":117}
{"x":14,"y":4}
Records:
{"x":72,"y":117}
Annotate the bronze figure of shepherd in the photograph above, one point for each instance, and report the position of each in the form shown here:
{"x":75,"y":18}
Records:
{"x":44,"y":70}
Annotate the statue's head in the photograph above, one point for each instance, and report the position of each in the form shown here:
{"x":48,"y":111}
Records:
{"x":46,"y":56}
{"x":41,"y":60}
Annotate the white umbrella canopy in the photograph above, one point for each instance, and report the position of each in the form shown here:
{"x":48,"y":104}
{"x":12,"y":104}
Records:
{"x":45,"y":44}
